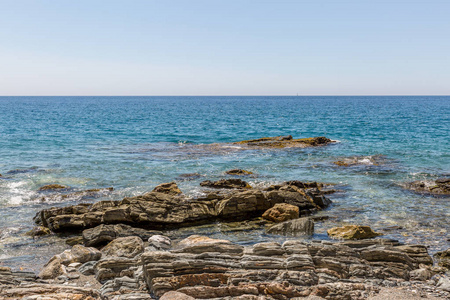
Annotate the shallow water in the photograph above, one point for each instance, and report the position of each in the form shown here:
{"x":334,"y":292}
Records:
{"x":135,"y":143}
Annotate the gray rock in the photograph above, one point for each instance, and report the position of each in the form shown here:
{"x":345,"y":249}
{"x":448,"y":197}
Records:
{"x":296,"y":227}
{"x":160,"y":242}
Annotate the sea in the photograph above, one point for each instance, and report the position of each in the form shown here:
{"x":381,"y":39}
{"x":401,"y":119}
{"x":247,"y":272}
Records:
{"x":135,"y":143}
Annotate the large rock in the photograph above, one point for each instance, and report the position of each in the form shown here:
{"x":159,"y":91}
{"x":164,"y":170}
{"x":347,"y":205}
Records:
{"x":103,"y":234}
{"x":199,"y":244}
{"x":297,"y":227}
{"x":281,"y":212}
{"x":170,"y":188}
{"x":285,"y":141}
{"x":270,"y":270}
{"x":158,"y":210}
{"x":124,"y":247}
{"x":439,"y":186}
{"x":352,"y":232}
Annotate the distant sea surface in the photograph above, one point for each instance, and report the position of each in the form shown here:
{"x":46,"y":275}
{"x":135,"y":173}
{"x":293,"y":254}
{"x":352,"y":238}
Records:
{"x":136,"y":143}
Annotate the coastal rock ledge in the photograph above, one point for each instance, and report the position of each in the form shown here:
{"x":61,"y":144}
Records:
{"x":155,"y":210}
{"x":200,"y":267}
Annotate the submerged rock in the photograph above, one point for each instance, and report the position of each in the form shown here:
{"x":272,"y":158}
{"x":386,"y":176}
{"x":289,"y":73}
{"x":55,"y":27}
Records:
{"x":170,"y":188}
{"x":285,"y":141}
{"x":281,"y":212}
{"x":78,"y":195}
{"x":38,"y":231}
{"x":238,"y":172}
{"x":352,"y":232}
{"x":439,"y":186}
{"x":52,"y":187}
{"x":233,"y":183}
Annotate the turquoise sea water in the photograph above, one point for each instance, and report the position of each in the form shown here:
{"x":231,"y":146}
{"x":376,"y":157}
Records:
{"x":135,"y":143}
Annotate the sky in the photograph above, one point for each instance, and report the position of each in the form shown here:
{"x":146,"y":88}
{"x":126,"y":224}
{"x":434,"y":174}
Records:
{"x":232,"y":47}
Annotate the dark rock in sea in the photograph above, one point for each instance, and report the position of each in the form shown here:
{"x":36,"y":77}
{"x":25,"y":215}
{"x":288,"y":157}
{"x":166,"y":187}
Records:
{"x":38,"y":231}
{"x":296,"y":227}
{"x":232,"y":183}
{"x":52,"y":187}
{"x":22,"y":171}
{"x":188,"y":176}
{"x":285,"y":141}
{"x":238,"y":172}
{"x":157,"y":210}
{"x":170,"y":188}
{"x":440,"y":187}
{"x":352,"y":232}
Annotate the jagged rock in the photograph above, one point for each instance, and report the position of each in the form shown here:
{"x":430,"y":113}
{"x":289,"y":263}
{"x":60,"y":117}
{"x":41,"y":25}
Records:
{"x":352,"y":232}
{"x":124,"y":247}
{"x":52,"y":187}
{"x":170,"y":188}
{"x":443,"y":258}
{"x":420,"y":274}
{"x":285,"y":141}
{"x":439,"y":186}
{"x":157,"y":210}
{"x":104,"y":234}
{"x":281,"y":212}
{"x":112,"y":267}
{"x":80,"y":254}
{"x":160,"y":242}
{"x":52,"y":269}
{"x":38,"y":231}
{"x":232,"y":183}
{"x":238,"y":172}
{"x":296,"y":227}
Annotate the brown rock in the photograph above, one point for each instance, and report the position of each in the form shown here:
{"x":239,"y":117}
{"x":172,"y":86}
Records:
{"x":170,"y":188}
{"x":38,"y":231}
{"x":52,"y":269}
{"x":352,"y":232}
{"x":124,"y":247}
{"x":285,"y":141}
{"x":238,"y":172}
{"x":52,"y":187}
{"x":281,"y":212}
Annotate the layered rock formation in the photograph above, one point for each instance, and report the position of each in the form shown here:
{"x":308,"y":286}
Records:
{"x":157,"y":210}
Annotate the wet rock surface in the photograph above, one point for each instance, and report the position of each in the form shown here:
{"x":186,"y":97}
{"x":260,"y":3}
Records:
{"x":233,"y":183}
{"x":285,"y":141}
{"x":439,"y":186}
{"x":156,"y":210}
{"x":238,"y":172}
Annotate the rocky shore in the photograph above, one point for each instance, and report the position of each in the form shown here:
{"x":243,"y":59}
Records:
{"x":124,"y":250}
{"x":120,"y":251}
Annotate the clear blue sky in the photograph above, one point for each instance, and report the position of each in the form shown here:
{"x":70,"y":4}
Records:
{"x":209,"y":47}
